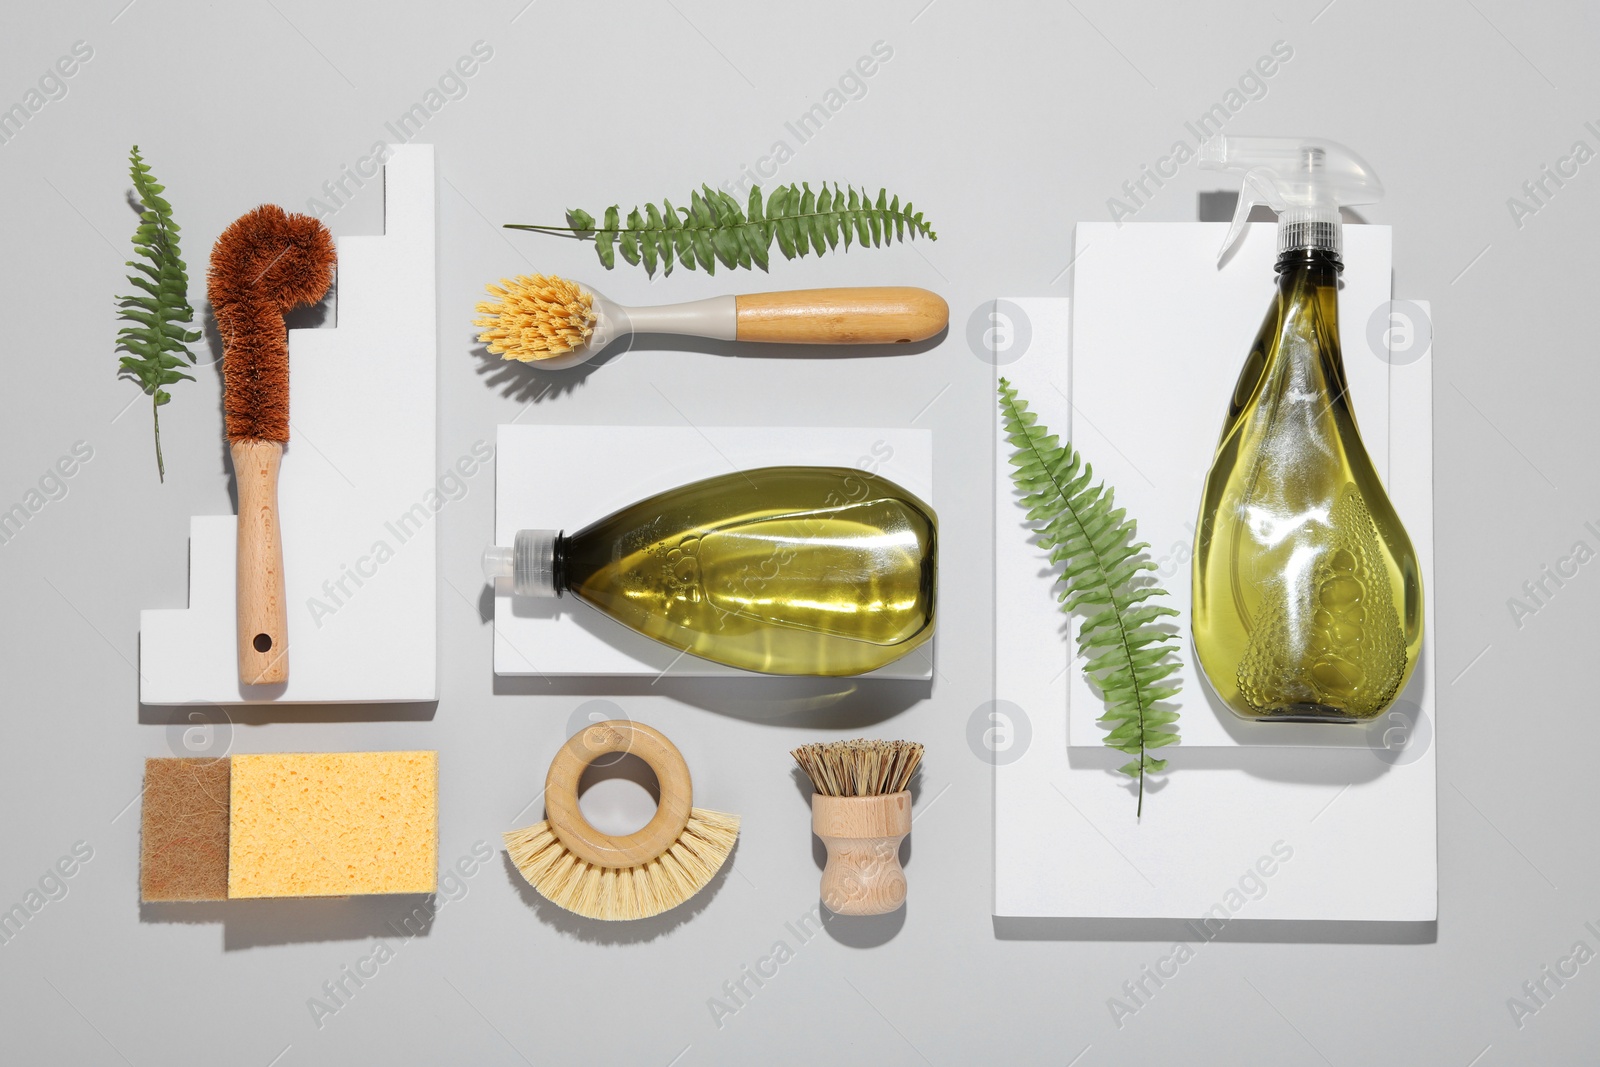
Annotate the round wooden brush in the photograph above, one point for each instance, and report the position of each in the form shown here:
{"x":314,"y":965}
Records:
{"x":861,"y":811}
{"x":264,"y":264}
{"x":634,"y":876}
{"x":554,"y":323}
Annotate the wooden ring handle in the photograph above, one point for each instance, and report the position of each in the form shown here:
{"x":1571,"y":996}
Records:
{"x":263,"y":617}
{"x":888,"y":314}
{"x":862,"y":836}
{"x":561,"y":794}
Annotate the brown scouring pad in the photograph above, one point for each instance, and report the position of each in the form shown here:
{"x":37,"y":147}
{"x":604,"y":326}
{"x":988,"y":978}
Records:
{"x":264,"y":264}
{"x":184,"y":846}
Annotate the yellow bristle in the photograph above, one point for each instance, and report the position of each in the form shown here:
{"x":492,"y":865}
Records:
{"x":536,"y":317}
{"x":630,"y":892}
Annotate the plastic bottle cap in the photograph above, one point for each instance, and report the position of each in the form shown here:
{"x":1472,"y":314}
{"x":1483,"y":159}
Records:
{"x":534,"y":563}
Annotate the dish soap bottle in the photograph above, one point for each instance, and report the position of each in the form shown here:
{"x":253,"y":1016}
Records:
{"x":1307,"y":596}
{"x":783,"y":570}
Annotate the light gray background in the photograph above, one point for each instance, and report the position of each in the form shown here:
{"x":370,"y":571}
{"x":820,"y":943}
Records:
{"x":1006,"y":122}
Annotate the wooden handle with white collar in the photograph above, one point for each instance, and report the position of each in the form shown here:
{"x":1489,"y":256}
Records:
{"x":263,"y":614}
{"x":859,"y":316}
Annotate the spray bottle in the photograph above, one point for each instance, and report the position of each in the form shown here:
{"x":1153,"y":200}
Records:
{"x":1307,"y":595}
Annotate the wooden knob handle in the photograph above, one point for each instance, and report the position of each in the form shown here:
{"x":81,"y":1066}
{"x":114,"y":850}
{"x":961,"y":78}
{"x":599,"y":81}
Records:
{"x":881,"y":315}
{"x":561,"y":794}
{"x":862,"y":835}
{"x":263,"y":613}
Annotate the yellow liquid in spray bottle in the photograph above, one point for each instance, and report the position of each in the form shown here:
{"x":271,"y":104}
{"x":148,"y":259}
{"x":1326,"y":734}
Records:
{"x":1307,"y":599}
{"x":1307,"y":596}
{"x":783,"y":570}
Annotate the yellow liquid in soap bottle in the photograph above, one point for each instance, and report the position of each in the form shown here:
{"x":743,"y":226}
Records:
{"x":784,"y":570}
{"x":1307,"y":596}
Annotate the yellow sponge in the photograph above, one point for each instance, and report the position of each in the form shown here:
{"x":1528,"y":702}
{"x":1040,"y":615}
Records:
{"x":333,"y":824}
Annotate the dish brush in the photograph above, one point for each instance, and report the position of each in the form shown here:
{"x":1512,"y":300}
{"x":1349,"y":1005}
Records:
{"x":631,"y":876}
{"x":266,"y":263}
{"x":555,"y":323}
{"x":862,"y":811}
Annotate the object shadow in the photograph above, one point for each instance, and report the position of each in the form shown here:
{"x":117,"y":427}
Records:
{"x":260,"y":714}
{"x":526,"y":383}
{"x":212,"y":335}
{"x":848,"y":703}
{"x":843,"y":704}
{"x":256,"y":923}
{"x":1304,"y":766}
{"x":529,"y":384}
{"x":864,"y":931}
{"x":651,"y":342}
{"x":1239,"y":931}
{"x":608,"y":932}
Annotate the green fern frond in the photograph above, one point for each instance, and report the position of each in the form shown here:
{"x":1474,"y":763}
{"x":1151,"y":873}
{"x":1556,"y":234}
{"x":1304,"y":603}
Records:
{"x":157,"y":342}
{"x":715,"y":227}
{"x":1131,"y":660}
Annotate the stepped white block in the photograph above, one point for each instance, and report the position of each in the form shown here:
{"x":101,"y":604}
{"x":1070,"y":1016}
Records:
{"x":357,"y":494}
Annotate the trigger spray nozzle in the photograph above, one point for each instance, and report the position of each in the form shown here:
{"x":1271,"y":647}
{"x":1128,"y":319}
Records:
{"x":1305,"y":180}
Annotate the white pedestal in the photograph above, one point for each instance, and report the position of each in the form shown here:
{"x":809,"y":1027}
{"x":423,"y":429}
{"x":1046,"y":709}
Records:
{"x":357,"y":494}
{"x":1137,"y":370}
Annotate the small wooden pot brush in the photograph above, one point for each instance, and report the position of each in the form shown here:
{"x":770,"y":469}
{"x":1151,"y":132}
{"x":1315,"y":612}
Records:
{"x":553,"y":323}
{"x":862,"y":811}
{"x":632,"y":876}
{"x":264,"y":264}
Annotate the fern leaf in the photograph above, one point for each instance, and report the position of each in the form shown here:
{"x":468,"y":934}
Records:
{"x":715,"y":227}
{"x":159,"y":344}
{"x":1103,"y":578}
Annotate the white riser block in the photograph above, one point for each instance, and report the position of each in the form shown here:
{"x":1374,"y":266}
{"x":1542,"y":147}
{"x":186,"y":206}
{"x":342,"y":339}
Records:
{"x":363,"y":414}
{"x":1360,"y":820}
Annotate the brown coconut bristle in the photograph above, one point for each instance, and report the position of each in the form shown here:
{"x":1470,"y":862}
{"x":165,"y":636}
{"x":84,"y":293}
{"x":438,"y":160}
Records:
{"x":535,"y":317}
{"x":859,"y":768}
{"x":264,"y":264}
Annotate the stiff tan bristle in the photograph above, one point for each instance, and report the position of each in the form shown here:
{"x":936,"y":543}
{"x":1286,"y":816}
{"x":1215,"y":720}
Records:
{"x":859,"y":768}
{"x":184,"y":832}
{"x":636,"y":892}
{"x":536,"y":317}
{"x":264,"y":264}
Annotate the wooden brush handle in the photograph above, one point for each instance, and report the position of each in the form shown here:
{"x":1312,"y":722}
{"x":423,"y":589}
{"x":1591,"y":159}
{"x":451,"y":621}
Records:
{"x":862,"y":836}
{"x":561,"y":794}
{"x":263,"y":620}
{"x":881,"y":315}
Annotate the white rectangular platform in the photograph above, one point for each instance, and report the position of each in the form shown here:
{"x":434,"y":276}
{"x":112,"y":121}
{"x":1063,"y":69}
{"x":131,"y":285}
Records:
{"x":357,"y":494}
{"x":1137,"y":369}
{"x":605,"y":468}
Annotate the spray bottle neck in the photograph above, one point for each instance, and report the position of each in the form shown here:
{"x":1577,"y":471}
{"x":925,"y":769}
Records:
{"x":1316,"y":266}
